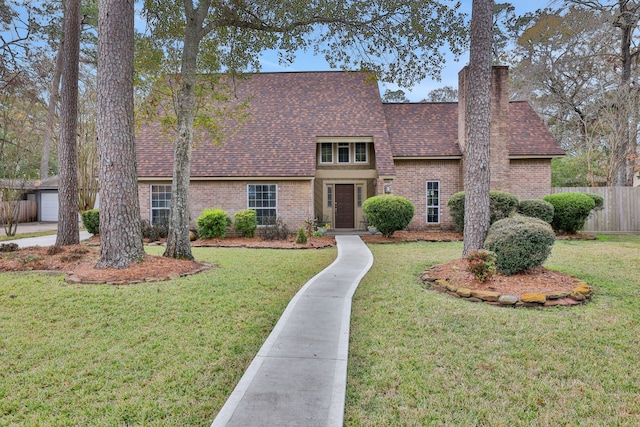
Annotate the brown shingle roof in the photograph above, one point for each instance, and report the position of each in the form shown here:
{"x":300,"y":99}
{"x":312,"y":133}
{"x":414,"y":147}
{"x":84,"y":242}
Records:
{"x":431,"y":130}
{"x":423,"y":130}
{"x":529,"y":135}
{"x":288,"y":111}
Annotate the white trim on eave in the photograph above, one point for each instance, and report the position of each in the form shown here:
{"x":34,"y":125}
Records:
{"x":532,"y":157}
{"x":427,"y":158}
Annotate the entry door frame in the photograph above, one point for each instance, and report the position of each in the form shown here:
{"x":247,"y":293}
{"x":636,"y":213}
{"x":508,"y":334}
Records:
{"x":344,"y":206}
{"x":329,"y":194}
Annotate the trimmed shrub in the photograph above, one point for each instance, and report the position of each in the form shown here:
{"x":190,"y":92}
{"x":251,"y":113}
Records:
{"x":91,"y":221}
{"x":388,"y":213}
{"x":154,"y":232}
{"x":536,"y":208}
{"x":246,"y":222}
{"x":213,"y":223}
{"x":274,"y":229}
{"x":301,"y":237}
{"x":482,"y":264}
{"x":501,"y":205}
{"x":598,"y":200}
{"x":519,"y":243}
{"x":570,"y":211}
{"x":456,"y":210}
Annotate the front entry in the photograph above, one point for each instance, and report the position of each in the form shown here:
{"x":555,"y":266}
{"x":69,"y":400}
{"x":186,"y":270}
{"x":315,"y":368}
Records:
{"x":344,"y":209}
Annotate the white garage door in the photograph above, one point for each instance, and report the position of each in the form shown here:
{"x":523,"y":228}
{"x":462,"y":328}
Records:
{"x":49,"y":207}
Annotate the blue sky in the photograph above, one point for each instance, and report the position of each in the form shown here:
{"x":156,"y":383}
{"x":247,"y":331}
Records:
{"x":449,"y":75}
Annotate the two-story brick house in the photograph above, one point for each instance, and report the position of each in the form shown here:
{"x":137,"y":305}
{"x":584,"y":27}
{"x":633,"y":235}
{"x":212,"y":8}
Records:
{"x":317,"y":144}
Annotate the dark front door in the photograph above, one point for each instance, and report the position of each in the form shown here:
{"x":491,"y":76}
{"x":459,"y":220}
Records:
{"x":344,"y":206}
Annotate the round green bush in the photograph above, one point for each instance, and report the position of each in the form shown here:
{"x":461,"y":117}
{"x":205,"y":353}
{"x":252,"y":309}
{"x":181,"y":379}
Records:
{"x":570,"y":211}
{"x":388,"y":213}
{"x":501,"y":205}
{"x":536,"y":208}
{"x":519,"y":243}
{"x":213,"y":223}
{"x":598,"y":200}
{"x":246,"y":222}
{"x":91,"y":221}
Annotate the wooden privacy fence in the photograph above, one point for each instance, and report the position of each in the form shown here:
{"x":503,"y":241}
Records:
{"x":621,"y":212}
{"x":28,"y":211}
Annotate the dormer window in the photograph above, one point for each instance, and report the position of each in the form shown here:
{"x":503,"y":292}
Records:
{"x":343,"y":153}
{"x":326,"y":152}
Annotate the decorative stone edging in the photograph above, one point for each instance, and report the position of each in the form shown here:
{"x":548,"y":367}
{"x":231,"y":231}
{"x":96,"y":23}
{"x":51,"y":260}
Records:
{"x":579,"y":295}
{"x":76,"y":280}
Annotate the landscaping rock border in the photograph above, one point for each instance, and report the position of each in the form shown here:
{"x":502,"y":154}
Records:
{"x":579,"y":295}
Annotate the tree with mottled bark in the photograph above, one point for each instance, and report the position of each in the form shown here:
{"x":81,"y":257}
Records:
{"x":120,"y":227}
{"x":67,"y":156}
{"x":400,"y":41}
{"x":477,"y":121}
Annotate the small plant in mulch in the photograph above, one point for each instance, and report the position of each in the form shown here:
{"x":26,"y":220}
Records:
{"x":301,"y":237}
{"x":482,"y":264}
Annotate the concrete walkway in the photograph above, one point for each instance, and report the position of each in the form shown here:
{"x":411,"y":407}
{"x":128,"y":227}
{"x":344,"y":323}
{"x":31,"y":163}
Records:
{"x":298,"y":378}
{"x":36,"y":227}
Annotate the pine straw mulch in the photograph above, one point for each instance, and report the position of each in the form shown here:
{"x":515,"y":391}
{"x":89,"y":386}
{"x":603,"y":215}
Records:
{"x":78,"y":262}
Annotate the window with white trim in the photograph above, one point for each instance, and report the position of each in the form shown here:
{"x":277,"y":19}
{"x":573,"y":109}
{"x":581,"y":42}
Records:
{"x":160,"y":204}
{"x":263,"y":199}
{"x":326,"y":152}
{"x":433,"y":202}
{"x":361,"y":152}
{"x":343,"y":152}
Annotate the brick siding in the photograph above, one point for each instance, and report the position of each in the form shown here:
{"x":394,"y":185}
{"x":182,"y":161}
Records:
{"x":411,"y":182}
{"x":530,"y":178}
{"x":294,"y":198}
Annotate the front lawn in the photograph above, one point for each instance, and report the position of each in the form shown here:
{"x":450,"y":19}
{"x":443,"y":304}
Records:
{"x":156,"y":354}
{"x":170,"y":353}
{"x":421,"y":358}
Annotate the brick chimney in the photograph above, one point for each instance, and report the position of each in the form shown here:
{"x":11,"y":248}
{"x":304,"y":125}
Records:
{"x":499,"y":131}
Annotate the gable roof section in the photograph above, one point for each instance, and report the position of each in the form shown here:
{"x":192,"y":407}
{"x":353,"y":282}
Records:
{"x":431,"y":130}
{"x":287,"y":113}
{"x":528,"y":135}
{"x":423,"y":130}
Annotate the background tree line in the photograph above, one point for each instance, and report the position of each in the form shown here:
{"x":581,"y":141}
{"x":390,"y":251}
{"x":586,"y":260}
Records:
{"x":578,"y":65}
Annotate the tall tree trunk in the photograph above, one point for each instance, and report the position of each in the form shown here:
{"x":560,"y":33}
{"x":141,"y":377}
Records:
{"x":120,"y":232}
{"x":51,"y":114}
{"x":178,"y":242}
{"x":478,"y":108}
{"x":67,"y":156}
{"x":626,"y":150}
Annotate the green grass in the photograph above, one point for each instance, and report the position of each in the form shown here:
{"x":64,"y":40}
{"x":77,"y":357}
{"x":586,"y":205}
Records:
{"x":160,"y":354}
{"x":4,"y":238}
{"x":169,"y":354}
{"x":421,"y":358}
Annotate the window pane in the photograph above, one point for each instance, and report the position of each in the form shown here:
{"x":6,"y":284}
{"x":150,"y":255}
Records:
{"x":329,"y":196}
{"x":361,"y":152}
{"x":326,"y":152}
{"x":343,"y":152}
{"x":160,"y":204}
{"x":263,"y":199}
{"x":433,"y":202}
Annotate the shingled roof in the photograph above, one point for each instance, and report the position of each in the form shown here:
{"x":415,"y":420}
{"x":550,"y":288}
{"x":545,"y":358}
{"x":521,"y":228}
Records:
{"x":288,"y":112}
{"x":431,"y":130}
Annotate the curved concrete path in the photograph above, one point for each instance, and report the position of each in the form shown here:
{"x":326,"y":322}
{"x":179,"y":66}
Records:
{"x":299,"y":376}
